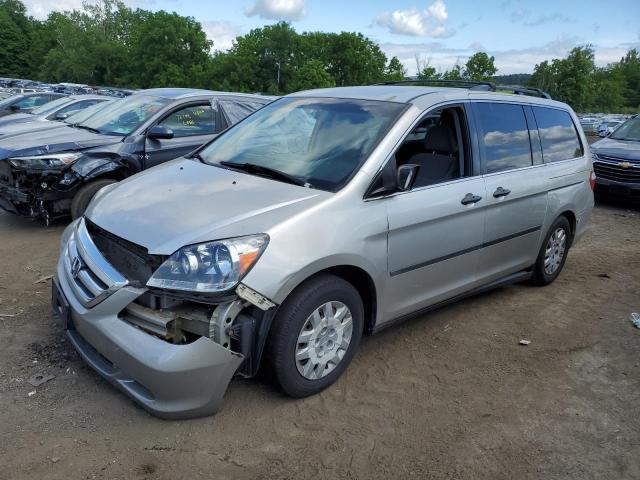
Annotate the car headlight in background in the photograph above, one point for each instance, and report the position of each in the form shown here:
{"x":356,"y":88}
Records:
{"x":50,"y":160}
{"x":210,"y":267}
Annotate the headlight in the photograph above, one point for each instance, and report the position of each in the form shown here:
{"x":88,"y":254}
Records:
{"x":50,"y":160}
{"x":210,"y":267}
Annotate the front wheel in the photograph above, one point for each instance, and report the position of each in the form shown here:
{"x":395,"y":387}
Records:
{"x":553,"y":253}
{"x":315,"y":335}
{"x":82,"y":199}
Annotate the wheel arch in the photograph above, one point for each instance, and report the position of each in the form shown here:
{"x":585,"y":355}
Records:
{"x":571,"y":217}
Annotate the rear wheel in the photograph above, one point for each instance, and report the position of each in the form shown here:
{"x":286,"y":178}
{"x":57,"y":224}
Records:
{"x":81,"y":201}
{"x":315,"y":335}
{"x":553,"y":253}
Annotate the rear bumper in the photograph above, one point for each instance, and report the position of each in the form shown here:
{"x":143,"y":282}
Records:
{"x":170,"y":381}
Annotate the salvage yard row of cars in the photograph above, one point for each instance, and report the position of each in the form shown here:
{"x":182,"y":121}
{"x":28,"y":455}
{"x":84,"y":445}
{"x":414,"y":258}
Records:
{"x":279,"y":231}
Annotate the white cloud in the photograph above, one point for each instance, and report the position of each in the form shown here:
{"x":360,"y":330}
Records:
{"x":222,"y":33}
{"x":277,"y":9}
{"x":40,"y":9}
{"x":417,"y":23}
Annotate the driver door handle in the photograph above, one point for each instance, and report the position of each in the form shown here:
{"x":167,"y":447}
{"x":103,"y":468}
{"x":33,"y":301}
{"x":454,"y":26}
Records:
{"x":501,"y":192}
{"x":470,"y":198}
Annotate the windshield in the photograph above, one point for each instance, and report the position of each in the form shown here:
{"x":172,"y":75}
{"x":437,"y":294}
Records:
{"x":629,"y":130}
{"x":50,"y":106}
{"x":84,"y":114}
{"x":320,"y":141}
{"x":122,"y":117}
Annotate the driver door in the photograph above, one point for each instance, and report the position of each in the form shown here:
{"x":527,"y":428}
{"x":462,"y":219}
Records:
{"x":193,"y":125}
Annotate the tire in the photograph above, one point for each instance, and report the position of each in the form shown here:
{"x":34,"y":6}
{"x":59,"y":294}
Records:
{"x":553,"y":252}
{"x":319,"y":295}
{"x":81,"y":201}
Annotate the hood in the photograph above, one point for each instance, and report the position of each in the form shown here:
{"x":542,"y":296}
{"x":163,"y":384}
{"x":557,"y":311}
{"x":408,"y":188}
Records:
{"x":623,"y":149}
{"x":185,"y":202}
{"x":52,"y":140}
{"x":17,"y":118}
{"x":18,"y":128}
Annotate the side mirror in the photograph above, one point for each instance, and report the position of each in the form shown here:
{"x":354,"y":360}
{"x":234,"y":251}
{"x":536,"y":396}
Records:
{"x":406,"y":176}
{"x":62,"y":116}
{"x":603,"y":133}
{"x":160,"y":133}
{"x":14,"y":108}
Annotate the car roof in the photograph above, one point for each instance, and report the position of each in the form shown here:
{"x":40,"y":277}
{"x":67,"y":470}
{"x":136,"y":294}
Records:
{"x":87,"y":97}
{"x":180,"y":93}
{"x":411,"y":94}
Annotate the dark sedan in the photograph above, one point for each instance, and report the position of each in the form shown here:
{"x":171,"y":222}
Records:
{"x":57,"y":171}
{"x":616,"y":161}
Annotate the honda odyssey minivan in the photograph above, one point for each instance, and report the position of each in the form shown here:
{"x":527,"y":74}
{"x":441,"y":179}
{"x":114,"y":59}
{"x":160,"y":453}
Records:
{"x":321,"y":217}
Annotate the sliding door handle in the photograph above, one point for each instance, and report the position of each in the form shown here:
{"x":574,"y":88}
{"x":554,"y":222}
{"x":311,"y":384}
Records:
{"x":470,"y":198}
{"x":501,"y":192}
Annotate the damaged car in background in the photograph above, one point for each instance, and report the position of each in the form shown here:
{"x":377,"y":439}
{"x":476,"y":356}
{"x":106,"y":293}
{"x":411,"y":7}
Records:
{"x":54,"y":172}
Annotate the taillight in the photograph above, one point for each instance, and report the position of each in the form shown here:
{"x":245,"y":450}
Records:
{"x":592,"y":179}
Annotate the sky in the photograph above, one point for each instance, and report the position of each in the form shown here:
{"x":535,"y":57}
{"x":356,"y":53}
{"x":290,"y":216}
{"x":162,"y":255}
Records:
{"x":519,"y":34}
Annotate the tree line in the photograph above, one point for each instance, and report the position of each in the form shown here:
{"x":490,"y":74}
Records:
{"x":111,"y":44}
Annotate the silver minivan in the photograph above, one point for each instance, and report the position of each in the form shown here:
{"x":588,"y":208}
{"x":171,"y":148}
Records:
{"x":325,"y":215}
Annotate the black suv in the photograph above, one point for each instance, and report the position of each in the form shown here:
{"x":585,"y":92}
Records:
{"x":54,"y":172}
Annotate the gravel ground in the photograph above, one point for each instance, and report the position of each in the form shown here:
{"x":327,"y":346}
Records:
{"x":451,"y":395}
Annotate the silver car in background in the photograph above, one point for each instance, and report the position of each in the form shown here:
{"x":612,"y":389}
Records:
{"x":325,"y":215}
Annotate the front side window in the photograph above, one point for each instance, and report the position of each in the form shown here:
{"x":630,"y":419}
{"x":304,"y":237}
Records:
{"x":438,"y":145}
{"x":504,"y":137}
{"x":558,"y":135}
{"x":191,"y":121}
{"x":319,"y":141}
{"x":124,"y":116}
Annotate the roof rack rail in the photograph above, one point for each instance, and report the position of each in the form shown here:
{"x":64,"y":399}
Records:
{"x":474,"y":85}
{"x":521,"y":90}
{"x":470,"y":84}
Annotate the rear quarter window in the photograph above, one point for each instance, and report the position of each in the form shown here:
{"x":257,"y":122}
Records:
{"x":558,"y":135}
{"x":504,"y":137}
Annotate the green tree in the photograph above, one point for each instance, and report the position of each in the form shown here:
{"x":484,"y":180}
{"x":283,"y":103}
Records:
{"x":480,"y":67}
{"x":311,"y":75}
{"x":15,"y":39}
{"x":456,"y":73}
{"x":630,"y":69}
{"x":395,"y":71}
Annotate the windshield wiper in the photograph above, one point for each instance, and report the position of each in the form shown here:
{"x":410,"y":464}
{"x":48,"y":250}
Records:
{"x":84,"y":127}
{"x":267,"y":172}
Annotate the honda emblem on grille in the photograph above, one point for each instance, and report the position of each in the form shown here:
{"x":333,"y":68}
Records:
{"x":76,"y":266}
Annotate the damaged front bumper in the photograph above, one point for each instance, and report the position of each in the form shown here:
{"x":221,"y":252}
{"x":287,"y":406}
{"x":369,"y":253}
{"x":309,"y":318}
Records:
{"x":33,"y":193}
{"x":169,"y":380}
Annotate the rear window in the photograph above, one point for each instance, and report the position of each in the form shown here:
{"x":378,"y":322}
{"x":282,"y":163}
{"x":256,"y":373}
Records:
{"x":504,"y":139}
{"x":558,"y":135}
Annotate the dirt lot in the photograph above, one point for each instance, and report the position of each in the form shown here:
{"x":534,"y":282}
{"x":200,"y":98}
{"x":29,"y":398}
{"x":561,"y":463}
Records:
{"x":451,"y":395}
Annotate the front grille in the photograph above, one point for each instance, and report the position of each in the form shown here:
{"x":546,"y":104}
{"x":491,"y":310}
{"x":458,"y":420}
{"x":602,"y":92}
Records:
{"x":90,"y":276}
{"x":612,"y":169}
{"x":130,"y":259}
